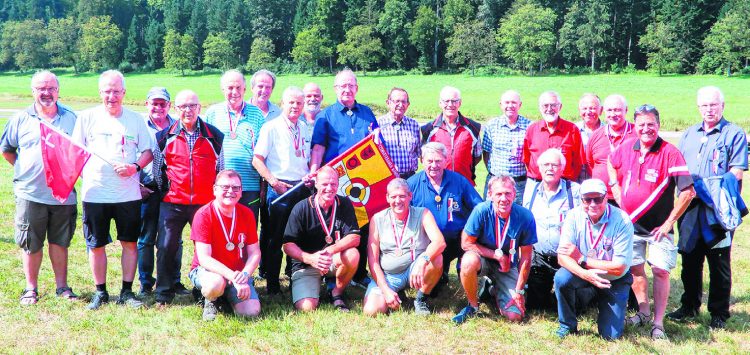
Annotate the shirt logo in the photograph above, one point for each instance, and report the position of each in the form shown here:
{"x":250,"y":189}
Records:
{"x":651,"y":175}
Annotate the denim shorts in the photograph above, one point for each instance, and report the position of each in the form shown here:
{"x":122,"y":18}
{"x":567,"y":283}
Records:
{"x":230,"y":292}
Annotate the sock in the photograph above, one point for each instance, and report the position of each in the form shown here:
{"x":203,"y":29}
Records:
{"x":127,"y":285}
{"x":101,"y":287}
{"x":420,"y":295}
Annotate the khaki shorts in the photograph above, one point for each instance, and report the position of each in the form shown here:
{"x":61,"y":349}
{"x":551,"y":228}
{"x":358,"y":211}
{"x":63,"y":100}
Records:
{"x":306,"y":282}
{"x":36,"y":222}
{"x":661,"y":254}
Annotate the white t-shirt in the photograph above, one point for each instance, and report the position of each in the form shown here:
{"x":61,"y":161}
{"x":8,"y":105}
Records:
{"x":276,"y":144}
{"x":118,"y":140}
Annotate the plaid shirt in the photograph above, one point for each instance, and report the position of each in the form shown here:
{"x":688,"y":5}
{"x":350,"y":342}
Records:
{"x":505,"y":145}
{"x":402,"y":141}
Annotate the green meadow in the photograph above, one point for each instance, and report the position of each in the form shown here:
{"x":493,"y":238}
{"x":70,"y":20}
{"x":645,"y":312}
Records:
{"x":58,"y":326}
{"x":674,"y":96}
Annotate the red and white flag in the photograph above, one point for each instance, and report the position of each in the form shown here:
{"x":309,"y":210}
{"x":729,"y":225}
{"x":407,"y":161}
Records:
{"x":63,"y":161}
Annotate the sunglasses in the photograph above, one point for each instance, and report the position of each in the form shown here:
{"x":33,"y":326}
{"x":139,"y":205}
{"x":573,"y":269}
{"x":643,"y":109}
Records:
{"x":596,"y":200}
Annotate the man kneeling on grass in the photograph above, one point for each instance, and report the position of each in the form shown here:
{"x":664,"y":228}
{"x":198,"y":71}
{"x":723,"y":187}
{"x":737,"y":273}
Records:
{"x":226,"y":250}
{"x":404,"y":249}
{"x":321,"y":237}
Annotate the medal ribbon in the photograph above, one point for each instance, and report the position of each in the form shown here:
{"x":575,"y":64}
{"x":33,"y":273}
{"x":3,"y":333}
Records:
{"x":400,"y":238}
{"x":612,"y":146}
{"x":327,"y":229}
{"x":228,"y":237}
{"x":500,"y":237}
{"x":295,"y":134}
{"x":233,"y":126}
{"x":593,"y":243}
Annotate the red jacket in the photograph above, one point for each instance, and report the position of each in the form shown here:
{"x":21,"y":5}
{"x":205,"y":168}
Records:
{"x":189,"y":175}
{"x":460,"y":147}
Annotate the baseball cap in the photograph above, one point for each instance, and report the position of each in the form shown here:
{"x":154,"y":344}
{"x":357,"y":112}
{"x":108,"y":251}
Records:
{"x":158,"y":92}
{"x":593,"y":186}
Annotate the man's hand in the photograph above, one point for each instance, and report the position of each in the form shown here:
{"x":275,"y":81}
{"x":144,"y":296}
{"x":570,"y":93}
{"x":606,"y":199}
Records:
{"x":416,"y":279}
{"x":309,"y":179}
{"x":321,"y":260}
{"x":617,"y":194}
{"x":519,"y":301}
{"x":243,"y":291}
{"x":662,"y":231}
{"x":125,"y":170}
{"x":592,"y":276}
{"x":391,"y":298}
{"x":240,"y":278}
{"x":279,"y":186}
{"x":145,"y":192}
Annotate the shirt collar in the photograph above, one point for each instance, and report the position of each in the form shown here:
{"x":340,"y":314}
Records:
{"x":341,"y":108}
{"x":719,"y":126}
{"x":460,"y":121}
{"x":197,"y":127}
{"x":654,"y":148}
{"x":31,"y":111}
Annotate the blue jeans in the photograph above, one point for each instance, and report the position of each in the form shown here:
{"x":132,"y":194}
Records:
{"x":272,"y":231}
{"x":612,"y":302}
{"x":147,"y":241}
{"x":173,"y":219}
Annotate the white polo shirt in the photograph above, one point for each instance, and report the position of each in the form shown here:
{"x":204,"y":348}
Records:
{"x":276,"y":144}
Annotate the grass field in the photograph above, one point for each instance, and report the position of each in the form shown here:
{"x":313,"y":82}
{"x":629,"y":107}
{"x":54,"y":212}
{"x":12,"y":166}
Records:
{"x":674,"y":96}
{"x":57,"y":326}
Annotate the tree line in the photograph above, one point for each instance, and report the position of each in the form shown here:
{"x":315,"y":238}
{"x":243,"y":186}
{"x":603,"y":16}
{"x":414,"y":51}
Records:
{"x":492,"y":36}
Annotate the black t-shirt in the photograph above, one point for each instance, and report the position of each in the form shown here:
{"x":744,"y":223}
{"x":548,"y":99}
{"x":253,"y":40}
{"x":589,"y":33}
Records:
{"x":305,"y":230}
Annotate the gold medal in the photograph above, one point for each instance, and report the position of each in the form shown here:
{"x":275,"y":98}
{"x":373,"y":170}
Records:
{"x":438,"y":198}
{"x":230,"y":246}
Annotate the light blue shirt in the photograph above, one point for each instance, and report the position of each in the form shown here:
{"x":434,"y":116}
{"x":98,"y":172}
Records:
{"x":616,"y":244}
{"x":549,"y":211}
{"x":22,"y":136}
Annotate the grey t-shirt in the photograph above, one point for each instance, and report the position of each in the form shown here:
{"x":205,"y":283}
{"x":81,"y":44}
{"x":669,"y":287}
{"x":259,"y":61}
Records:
{"x":413,"y":242}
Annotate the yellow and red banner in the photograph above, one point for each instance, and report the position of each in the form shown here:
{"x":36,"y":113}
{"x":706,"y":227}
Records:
{"x":364,"y":172}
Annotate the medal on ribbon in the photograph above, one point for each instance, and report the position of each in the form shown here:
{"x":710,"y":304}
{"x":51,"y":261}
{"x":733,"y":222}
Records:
{"x":399,"y":237}
{"x":328,"y":229}
{"x":594,"y":243}
{"x":228,"y":236}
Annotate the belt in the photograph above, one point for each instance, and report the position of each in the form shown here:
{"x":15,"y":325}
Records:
{"x":516,"y":178}
{"x":406,"y":175}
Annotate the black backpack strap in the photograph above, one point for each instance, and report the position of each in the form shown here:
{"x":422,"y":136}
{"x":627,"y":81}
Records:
{"x":570,"y":194}
{"x":533,"y":195}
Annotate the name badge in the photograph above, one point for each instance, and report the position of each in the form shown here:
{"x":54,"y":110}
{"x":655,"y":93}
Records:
{"x":651,"y":175}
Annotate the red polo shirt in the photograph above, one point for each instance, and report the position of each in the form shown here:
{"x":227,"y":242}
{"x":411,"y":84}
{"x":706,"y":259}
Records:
{"x":648,"y":188}
{"x":566,"y":137}
{"x":463,"y":144}
{"x":600,"y":146}
{"x":206,"y":228}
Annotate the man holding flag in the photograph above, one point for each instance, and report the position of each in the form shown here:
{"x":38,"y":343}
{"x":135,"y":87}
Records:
{"x":338,"y":128}
{"x":39,"y":214}
{"x":110,"y":183}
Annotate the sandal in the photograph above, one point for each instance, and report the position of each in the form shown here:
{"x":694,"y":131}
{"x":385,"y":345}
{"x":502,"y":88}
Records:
{"x":658,"y":333}
{"x":29,"y":297}
{"x":66,"y":293}
{"x":339,"y":302}
{"x":638,"y":319}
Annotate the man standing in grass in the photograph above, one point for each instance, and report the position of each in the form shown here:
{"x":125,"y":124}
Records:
{"x":589,"y":109}
{"x":400,"y":133}
{"x":226,"y":250}
{"x":646,"y":172}
{"x":716,"y":149}
{"x":110,"y":185}
{"x":552,"y":132}
{"x":498,"y":240}
{"x":459,"y":135}
{"x":595,"y":252}
{"x":240,"y":123}
{"x":262,"y":84}
{"x":188,"y":157}
{"x":38,"y":214}
{"x":502,"y":143}
{"x":322,"y":237}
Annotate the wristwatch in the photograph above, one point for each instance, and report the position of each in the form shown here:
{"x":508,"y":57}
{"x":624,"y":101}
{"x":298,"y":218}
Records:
{"x":612,"y":183}
{"x":426,"y":258}
{"x":520,"y":292}
{"x":137,"y":167}
{"x":582,"y":261}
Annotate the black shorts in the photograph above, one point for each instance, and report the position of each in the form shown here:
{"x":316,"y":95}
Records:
{"x":97,"y":217}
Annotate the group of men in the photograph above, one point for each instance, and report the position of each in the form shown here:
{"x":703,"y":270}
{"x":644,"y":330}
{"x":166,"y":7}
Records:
{"x":570,"y":213}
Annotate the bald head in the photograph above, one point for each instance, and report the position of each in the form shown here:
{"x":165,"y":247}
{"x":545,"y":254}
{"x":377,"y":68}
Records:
{"x":510,"y":103}
{"x":615,"y":110}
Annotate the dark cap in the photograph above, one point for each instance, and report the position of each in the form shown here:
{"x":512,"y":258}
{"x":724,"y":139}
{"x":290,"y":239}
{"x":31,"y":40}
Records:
{"x":158,"y":92}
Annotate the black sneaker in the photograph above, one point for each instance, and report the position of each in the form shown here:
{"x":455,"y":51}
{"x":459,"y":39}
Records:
{"x":209,"y":311}
{"x":128,"y":298}
{"x":441,"y":284}
{"x":180,"y":290}
{"x":717,"y":323}
{"x":100,"y":298}
{"x":682,"y":314}
{"x":421,"y":308}
{"x":145,"y":292}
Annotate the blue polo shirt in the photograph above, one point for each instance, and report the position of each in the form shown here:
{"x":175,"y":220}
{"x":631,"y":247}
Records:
{"x":457,"y":200}
{"x":338,"y":131}
{"x":21,"y":136}
{"x":481,"y":224}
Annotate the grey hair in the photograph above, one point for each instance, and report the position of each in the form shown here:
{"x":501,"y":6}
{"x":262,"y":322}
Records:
{"x":345,"y":71}
{"x":292,"y":90}
{"x":449,"y":89}
{"x":434,"y":147}
{"x":550,"y":154}
{"x":112,"y":73}
{"x":263,"y":72}
{"x":398,"y":183}
{"x":711,"y":90}
{"x":231,"y":72}
{"x":619,"y":97}
{"x":591,"y":95}
{"x":552,"y":93}
{"x":42,"y":73}
{"x":502,"y":179}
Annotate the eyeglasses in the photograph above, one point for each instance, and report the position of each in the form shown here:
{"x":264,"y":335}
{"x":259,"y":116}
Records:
{"x":403,"y":102}
{"x":596,"y":200}
{"x":225,"y":188}
{"x":346,"y":86}
{"x":451,"y":101}
{"x":647,"y":108}
{"x":112,"y":92}
{"x":159,"y":104}
{"x":549,"y":105}
{"x":550,"y":165}
{"x":46,"y":89}
{"x":192,"y":107}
